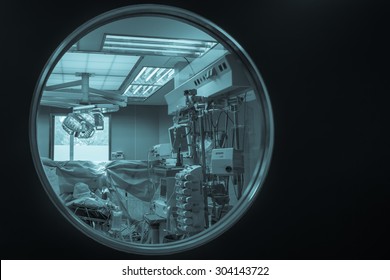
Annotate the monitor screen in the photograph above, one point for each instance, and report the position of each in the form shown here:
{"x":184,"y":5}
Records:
{"x":180,"y":138}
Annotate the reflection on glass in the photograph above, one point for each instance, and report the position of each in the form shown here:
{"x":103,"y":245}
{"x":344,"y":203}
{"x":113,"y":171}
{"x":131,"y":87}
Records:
{"x":151,"y":148}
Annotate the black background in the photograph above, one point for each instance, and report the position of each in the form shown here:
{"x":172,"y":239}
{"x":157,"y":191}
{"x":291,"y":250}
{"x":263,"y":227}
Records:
{"x":326,"y":67}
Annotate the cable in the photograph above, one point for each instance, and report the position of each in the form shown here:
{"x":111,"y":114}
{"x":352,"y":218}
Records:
{"x":228,"y":116}
{"x":188,"y":133}
{"x":225,"y":141}
{"x":220,"y":211}
{"x":189,"y":64}
{"x":212,"y":119}
{"x":219,"y":116}
{"x":227,"y":181}
{"x":235,"y":191}
{"x":233,"y":139}
{"x":209,"y":123}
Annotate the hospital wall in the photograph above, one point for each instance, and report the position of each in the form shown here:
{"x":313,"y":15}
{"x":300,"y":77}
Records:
{"x":134,"y":129}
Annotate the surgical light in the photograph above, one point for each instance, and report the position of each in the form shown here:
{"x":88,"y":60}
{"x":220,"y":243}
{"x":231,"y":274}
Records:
{"x":83,"y":125}
{"x":79,"y":124}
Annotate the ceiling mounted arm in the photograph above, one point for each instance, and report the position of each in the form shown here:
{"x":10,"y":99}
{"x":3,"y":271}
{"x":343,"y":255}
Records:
{"x":64,"y":93}
{"x":64,"y":85}
{"x":84,"y":87}
{"x":108,"y":95}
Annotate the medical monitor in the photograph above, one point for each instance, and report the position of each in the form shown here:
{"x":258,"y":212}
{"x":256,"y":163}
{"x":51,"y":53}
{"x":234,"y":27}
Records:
{"x":180,"y":138}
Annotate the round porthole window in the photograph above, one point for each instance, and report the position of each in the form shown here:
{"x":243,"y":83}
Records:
{"x":151,"y":129}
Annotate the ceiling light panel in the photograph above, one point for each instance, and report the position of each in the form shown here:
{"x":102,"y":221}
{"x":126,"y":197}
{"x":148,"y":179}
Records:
{"x":154,"y":76}
{"x":141,"y":90}
{"x":156,"y":46}
{"x":148,"y":81}
{"x":108,"y":71}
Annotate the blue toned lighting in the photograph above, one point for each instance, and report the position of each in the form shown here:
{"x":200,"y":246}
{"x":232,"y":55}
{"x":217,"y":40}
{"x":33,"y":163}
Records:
{"x":107,"y":71}
{"x":148,"y":81}
{"x":156,"y":46}
{"x":154,"y":76}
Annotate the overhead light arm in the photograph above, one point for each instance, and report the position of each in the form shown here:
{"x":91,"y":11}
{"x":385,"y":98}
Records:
{"x":51,"y":93}
{"x":85,"y":87}
{"x":64,"y":85}
{"x":104,"y":108}
{"x":58,"y":104}
{"x":108,"y":95}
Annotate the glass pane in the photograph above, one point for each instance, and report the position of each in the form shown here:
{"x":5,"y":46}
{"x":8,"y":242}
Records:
{"x":95,"y":148}
{"x":61,"y":140}
{"x":170,"y":172}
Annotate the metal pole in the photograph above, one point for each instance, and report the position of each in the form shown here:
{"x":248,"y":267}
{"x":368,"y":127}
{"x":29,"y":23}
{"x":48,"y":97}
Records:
{"x":237,"y":147}
{"x":71,"y":147}
{"x":193,"y":144}
{"x":85,"y":88}
{"x":202,"y":146}
{"x":203,"y":158}
{"x":235,"y":127}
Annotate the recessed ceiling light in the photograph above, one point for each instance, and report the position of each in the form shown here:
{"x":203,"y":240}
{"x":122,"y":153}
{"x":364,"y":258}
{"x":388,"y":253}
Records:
{"x":156,"y":46}
{"x":148,"y":81}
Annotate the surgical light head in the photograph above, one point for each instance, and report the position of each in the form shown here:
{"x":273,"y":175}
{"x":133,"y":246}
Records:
{"x":83,"y":125}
